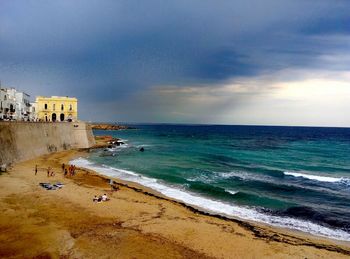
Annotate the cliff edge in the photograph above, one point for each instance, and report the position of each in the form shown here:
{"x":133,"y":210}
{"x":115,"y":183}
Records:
{"x":106,"y":126}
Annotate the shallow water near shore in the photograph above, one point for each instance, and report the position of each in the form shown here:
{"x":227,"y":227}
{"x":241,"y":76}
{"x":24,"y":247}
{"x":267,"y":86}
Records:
{"x":291,"y":177}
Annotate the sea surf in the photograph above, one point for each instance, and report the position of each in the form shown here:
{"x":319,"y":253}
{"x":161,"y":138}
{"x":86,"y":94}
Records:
{"x":290,"y":177}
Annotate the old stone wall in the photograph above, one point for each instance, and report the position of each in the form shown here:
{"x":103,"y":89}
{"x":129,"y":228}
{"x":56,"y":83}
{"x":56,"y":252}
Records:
{"x":26,"y":140}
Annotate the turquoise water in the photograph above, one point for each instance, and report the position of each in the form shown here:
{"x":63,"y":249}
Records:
{"x":287,"y":176}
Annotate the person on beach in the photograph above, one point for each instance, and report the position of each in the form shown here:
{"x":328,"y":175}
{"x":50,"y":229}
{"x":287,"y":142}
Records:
{"x":65,"y":172}
{"x":52,"y":173}
{"x":63,"y":167}
{"x":36,"y":169}
{"x":48,"y":171}
{"x":95,"y":199}
{"x":104,"y":197}
{"x":71,"y":170}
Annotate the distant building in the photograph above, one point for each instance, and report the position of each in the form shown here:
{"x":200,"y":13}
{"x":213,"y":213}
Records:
{"x":32,"y":112}
{"x":22,"y":105}
{"x":56,"y":108}
{"x":3,"y":103}
{"x":14,"y":105}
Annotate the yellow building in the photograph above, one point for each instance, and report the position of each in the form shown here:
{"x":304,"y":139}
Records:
{"x":57,"y":108}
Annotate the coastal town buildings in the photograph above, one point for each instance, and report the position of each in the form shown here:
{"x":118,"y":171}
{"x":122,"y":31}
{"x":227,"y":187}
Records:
{"x":56,"y":108}
{"x":16,"y":106}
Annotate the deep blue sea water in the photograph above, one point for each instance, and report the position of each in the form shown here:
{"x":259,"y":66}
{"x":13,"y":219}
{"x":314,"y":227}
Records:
{"x":294,"y":177}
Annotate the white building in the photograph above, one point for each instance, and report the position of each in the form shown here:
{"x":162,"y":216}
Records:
{"x":7,"y":105}
{"x":22,"y":105}
{"x":14,"y":105}
{"x":32,"y":112}
{"x":2,"y":102}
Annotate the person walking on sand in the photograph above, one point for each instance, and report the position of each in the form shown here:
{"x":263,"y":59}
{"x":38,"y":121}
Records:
{"x":63,"y":167}
{"x":36,"y":169}
{"x":65,"y":172}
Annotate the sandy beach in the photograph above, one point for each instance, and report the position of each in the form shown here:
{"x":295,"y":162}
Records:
{"x":135,"y":223}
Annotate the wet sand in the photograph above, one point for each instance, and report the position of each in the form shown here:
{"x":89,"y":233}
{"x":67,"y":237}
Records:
{"x":135,"y":223}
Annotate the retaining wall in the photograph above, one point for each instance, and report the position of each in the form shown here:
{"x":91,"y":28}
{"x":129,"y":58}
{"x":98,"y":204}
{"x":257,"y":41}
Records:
{"x":26,"y":140}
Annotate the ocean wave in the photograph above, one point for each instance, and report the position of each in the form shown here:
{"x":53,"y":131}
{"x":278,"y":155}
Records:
{"x":116,"y":148}
{"x":232,"y":192}
{"x":239,"y":174}
{"x":245,"y":176}
{"x":288,"y":185}
{"x":201,"y":178}
{"x":320,"y":178}
{"x":215,"y":206}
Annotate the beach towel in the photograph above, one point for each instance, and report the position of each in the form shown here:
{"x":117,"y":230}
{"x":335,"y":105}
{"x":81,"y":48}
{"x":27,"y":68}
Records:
{"x":49,"y":186}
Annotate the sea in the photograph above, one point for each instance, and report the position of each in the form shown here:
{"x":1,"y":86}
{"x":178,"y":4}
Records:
{"x":291,"y":177}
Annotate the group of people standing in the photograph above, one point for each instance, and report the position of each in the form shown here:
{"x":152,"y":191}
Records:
{"x":70,"y":171}
{"x":50,"y":172}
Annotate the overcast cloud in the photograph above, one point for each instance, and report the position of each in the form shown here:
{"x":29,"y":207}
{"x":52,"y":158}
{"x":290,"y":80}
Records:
{"x":183,"y":61}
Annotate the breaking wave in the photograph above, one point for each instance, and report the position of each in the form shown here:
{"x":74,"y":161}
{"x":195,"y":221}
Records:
{"x":320,"y":178}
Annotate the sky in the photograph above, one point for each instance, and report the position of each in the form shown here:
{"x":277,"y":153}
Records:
{"x":260,"y":62}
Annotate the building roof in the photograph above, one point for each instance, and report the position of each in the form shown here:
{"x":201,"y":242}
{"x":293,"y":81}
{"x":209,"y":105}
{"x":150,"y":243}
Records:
{"x":57,"y":97}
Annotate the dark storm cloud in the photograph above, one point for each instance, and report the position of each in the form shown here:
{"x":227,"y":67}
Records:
{"x":104,"y":51}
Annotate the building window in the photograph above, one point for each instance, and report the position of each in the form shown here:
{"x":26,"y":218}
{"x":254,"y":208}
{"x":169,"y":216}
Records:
{"x":54,"y":106}
{"x":62,"y":107}
{"x":45,"y":106}
{"x":70,"y":107}
{"x":54,"y":117}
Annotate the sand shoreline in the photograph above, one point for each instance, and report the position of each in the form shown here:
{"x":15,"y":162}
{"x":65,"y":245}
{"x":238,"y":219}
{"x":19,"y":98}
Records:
{"x":156,"y":225}
{"x":260,"y":230}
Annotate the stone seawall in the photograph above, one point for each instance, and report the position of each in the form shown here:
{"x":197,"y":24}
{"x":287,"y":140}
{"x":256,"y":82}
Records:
{"x":25,"y":140}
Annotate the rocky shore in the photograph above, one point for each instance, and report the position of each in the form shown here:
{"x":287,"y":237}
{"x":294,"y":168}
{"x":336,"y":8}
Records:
{"x":106,"y":126}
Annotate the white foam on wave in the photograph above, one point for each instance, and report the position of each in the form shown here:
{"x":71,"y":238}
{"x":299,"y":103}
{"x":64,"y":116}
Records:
{"x":232,"y":192}
{"x":213,"y":205}
{"x":318,"y":177}
{"x":201,"y":178}
{"x":240,"y":174}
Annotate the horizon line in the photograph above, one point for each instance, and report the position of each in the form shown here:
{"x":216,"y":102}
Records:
{"x":217,"y":124}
